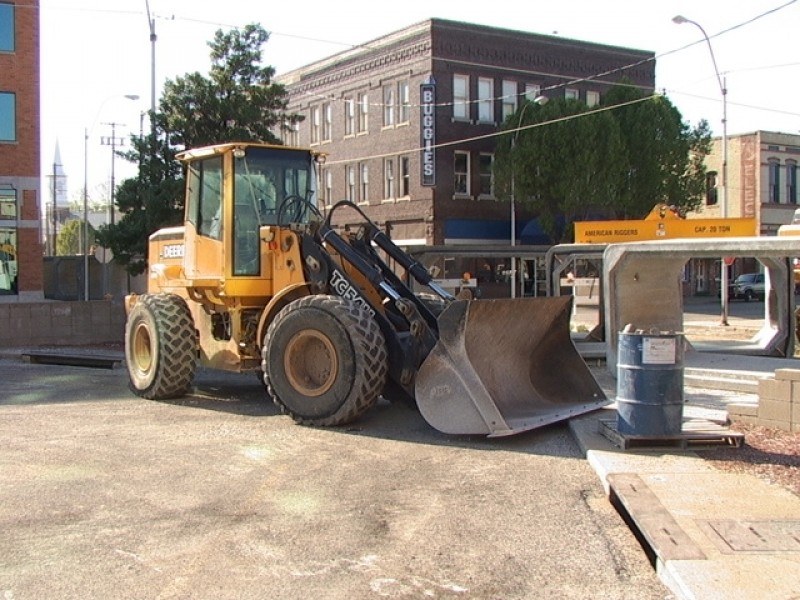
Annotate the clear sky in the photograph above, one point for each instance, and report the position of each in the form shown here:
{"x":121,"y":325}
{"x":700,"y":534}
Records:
{"x":93,"y":52}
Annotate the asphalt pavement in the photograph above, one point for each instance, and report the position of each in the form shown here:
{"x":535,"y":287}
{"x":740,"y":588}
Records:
{"x":216,"y":495}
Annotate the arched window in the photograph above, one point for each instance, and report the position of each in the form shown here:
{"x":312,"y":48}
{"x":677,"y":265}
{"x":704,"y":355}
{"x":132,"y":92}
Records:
{"x":791,"y":182}
{"x":711,"y":188}
{"x":774,"y":167}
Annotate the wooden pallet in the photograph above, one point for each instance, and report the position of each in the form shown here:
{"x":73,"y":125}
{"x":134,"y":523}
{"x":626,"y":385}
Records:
{"x":694,"y":433}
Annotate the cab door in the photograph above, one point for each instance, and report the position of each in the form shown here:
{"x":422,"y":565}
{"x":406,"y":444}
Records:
{"x":205,"y":223}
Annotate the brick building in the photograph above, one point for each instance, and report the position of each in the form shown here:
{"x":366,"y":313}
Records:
{"x":448,"y":86}
{"x":762,"y":179}
{"x":762,"y":185}
{"x":20,"y":245}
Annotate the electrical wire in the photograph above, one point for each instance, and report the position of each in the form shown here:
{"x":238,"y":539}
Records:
{"x":495,"y":133}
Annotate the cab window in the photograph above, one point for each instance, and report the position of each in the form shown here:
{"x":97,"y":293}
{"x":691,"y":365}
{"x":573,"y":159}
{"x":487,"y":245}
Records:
{"x":204,"y":196}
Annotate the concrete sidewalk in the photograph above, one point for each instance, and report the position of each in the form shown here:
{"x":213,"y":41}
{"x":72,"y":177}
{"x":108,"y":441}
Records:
{"x":710,"y":534}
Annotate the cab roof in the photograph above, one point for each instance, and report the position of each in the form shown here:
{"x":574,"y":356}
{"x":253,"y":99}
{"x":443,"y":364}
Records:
{"x":216,"y":149}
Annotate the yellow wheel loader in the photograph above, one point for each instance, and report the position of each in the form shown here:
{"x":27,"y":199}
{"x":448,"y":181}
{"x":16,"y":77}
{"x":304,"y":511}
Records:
{"x":258,"y":280}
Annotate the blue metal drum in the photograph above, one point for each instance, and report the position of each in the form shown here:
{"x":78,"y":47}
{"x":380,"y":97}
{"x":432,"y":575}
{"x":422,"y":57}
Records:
{"x":650,"y":384}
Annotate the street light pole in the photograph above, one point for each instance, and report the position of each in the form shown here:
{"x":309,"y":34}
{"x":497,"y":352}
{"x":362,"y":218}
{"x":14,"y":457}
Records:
{"x":723,"y":293}
{"x":540,"y":100}
{"x":85,"y":243}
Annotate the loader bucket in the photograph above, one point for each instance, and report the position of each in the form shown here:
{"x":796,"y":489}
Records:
{"x":505,"y":366}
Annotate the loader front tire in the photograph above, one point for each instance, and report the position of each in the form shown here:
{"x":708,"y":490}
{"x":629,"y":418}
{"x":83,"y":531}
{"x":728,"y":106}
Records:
{"x":160,"y":347}
{"x":325,"y":360}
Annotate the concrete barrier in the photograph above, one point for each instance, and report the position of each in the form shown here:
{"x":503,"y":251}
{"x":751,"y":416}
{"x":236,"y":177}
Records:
{"x":642,"y":286}
{"x":24,"y":324}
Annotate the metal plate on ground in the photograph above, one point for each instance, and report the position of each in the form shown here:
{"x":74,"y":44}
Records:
{"x":662,"y":534}
{"x":72,"y":360}
{"x":733,"y":536}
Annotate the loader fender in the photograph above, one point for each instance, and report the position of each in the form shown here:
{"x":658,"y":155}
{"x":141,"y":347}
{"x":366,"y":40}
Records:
{"x":282,"y":298}
{"x":505,"y":366}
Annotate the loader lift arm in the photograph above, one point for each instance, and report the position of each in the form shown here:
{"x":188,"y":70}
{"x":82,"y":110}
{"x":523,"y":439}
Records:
{"x":408,"y":325}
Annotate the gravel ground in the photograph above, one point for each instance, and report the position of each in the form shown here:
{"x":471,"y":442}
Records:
{"x":769,"y":454}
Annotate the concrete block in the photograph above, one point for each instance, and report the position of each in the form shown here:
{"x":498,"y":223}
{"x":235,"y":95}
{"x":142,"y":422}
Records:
{"x":782,"y":425}
{"x":796,"y":413}
{"x":775,"y":389}
{"x":5,"y":324}
{"x":742,"y":410}
{"x":774,"y":410}
{"x":19,"y":328}
{"x":744,"y":420}
{"x":790,"y":374}
{"x":101,"y":313}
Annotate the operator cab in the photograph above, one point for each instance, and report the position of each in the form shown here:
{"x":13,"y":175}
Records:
{"x":242,"y":187}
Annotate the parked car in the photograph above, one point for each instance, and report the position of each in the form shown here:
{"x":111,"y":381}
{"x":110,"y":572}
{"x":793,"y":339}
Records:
{"x":747,"y":287}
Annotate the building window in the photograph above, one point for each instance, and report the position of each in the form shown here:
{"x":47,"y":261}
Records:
{"x":327,"y":187}
{"x":405,"y":176}
{"x":388,"y":105}
{"x":485,"y":100}
{"x":461,"y":173}
{"x":350,"y":183}
{"x":509,"y":98}
{"x":9,"y":265}
{"x":363,"y":169}
{"x":592,"y":98}
{"x":711,"y":188}
{"x":487,"y":179}
{"x":349,"y":116}
{"x":327,"y":122}
{"x":532,"y":91}
{"x":8,"y":204}
{"x":791,"y":182}
{"x":388,"y":178}
{"x":320,"y":181}
{"x":571,"y":94}
{"x":7,"y":43}
{"x":404,"y":98}
{"x":8,"y":117}
{"x":774,"y":181}
{"x":461,"y":97}
{"x":291,"y":134}
{"x":363,"y":113}
{"x":315,"y":124}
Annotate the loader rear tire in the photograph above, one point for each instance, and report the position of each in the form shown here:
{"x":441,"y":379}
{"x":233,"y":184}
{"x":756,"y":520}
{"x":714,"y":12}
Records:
{"x":160,"y":347}
{"x":325,"y":361}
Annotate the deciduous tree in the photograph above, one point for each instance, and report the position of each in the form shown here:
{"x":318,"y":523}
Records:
{"x":568,"y":162}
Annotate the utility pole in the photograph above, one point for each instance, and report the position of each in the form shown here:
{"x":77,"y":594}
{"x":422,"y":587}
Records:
{"x":112,"y":141}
